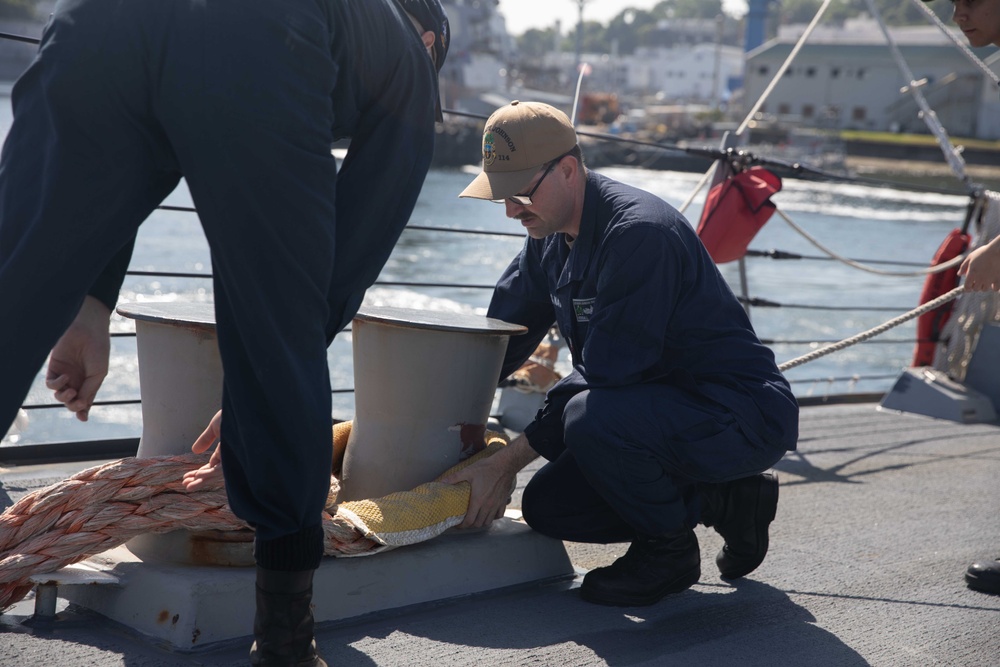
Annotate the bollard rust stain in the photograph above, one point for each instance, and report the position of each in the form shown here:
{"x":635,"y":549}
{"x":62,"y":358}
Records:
{"x":473,"y":437}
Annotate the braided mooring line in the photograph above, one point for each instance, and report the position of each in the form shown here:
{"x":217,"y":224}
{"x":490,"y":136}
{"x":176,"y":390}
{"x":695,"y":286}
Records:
{"x":871,"y":333}
{"x":103,"y":507}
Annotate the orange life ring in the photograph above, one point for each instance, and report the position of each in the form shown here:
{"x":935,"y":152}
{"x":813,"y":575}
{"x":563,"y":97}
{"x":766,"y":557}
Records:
{"x":931,"y":324}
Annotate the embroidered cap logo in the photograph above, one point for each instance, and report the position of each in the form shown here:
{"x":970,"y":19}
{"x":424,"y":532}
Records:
{"x":489,"y":152}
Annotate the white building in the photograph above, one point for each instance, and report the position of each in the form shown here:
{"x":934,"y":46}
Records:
{"x":703,"y":72}
{"x":846,"y":78}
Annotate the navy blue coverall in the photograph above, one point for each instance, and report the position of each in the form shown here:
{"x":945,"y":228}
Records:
{"x":244,"y":99}
{"x":670,"y":385}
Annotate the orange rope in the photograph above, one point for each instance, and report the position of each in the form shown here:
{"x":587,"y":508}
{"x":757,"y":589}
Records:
{"x":103,"y":507}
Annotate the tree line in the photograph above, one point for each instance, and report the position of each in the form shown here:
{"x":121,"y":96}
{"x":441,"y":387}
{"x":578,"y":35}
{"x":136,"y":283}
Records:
{"x":633,"y":28}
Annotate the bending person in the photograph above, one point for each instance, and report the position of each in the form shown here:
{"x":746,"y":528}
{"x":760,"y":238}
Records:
{"x":244,"y":99}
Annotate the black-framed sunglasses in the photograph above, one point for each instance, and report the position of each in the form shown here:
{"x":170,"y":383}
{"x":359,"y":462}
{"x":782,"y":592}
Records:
{"x":525,"y":200}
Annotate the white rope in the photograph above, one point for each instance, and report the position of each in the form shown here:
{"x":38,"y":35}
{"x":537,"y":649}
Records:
{"x":697,"y":189}
{"x":864,"y":267}
{"x":763,"y":97}
{"x":951,"y":154}
{"x":871,"y":333}
{"x":781,"y":70}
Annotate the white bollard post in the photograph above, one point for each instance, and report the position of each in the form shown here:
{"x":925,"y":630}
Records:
{"x":424,"y":383}
{"x":180,"y":379}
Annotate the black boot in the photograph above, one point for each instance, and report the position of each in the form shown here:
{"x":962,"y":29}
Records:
{"x":984,"y":576}
{"x":741,"y":512}
{"x":283,"y":625}
{"x":652,"y":568}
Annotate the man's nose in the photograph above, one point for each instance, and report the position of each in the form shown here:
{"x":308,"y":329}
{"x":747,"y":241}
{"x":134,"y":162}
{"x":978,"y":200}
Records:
{"x":513,"y":208}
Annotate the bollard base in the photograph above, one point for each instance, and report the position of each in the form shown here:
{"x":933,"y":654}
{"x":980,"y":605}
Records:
{"x":193,"y":607}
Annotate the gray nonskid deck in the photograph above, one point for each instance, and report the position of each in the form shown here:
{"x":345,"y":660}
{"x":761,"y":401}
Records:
{"x":879,"y":516}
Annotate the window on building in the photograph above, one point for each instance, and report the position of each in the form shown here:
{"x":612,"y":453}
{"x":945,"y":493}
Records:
{"x":834,"y":72}
{"x":861,"y":72}
{"x":790,"y":71}
{"x":762,"y":70}
{"x":784,"y":109}
{"x":808,"y":110}
{"x":858,"y":113}
{"x":810,"y":71}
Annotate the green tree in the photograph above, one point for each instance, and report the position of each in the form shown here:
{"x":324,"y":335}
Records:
{"x":691,"y":9}
{"x":536,"y":43}
{"x":626,"y":28}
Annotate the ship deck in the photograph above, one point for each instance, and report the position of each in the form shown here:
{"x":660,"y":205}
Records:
{"x":880,"y":513}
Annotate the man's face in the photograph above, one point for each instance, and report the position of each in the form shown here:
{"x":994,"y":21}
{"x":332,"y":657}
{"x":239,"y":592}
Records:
{"x":979,"y":20}
{"x":550,"y":210}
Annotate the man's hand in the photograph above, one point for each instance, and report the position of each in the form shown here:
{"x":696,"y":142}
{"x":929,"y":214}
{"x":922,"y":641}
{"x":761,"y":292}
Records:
{"x":490,"y":491}
{"x":491,"y":480}
{"x":79,"y":361}
{"x":982,"y":268}
{"x":212,"y":434}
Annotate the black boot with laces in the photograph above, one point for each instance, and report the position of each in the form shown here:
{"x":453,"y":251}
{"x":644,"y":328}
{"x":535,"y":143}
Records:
{"x":652,"y":568}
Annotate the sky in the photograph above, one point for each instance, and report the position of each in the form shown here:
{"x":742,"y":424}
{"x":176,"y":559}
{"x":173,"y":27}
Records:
{"x":523,"y":15}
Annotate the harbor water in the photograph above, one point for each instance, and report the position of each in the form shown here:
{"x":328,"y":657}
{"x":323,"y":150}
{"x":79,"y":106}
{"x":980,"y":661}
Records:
{"x":821,"y":300}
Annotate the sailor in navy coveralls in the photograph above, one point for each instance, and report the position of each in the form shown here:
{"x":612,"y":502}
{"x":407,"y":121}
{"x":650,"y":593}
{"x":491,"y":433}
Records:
{"x":244,"y":99}
{"x":674,"y":409}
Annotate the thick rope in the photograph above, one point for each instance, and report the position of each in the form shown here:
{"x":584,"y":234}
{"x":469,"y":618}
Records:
{"x":103,"y":507}
{"x":871,"y":333}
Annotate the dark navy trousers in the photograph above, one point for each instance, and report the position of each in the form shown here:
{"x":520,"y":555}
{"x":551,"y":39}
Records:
{"x":635,"y":462}
{"x":122,"y":100}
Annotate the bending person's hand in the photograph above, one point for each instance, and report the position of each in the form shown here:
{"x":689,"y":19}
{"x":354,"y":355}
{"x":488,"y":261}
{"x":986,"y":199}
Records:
{"x":212,"y":434}
{"x":79,"y":361}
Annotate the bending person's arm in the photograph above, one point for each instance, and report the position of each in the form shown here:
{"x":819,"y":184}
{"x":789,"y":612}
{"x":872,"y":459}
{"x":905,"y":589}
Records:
{"x":79,"y":361}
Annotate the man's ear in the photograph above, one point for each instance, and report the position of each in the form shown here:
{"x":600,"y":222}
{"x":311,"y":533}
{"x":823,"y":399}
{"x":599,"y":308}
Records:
{"x":428,"y":39}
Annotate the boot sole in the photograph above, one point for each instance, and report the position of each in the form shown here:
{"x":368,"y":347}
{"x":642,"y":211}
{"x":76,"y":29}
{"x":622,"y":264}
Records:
{"x":764,"y":512}
{"x":681,"y":583}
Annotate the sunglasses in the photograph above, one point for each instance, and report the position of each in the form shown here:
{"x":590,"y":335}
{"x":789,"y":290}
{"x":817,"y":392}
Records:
{"x":525,"y":199}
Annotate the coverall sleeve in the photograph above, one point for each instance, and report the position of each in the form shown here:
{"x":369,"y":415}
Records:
{"x":109,"y":283}
{"x":521,"y":297}
{"x":377,"y":189}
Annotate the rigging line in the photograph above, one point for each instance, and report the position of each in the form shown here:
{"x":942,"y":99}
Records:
{"x":844,"y":378}
{"x":869,"y":269}
{"x":871,"y":333}
{"x":584,"y":71}
{"x":784,"y":254}
{"x":951,"y":154}
{"x":784,"y":66}
{"x":697,"y":188}
{"x":20,"y":38}
{"x":962,"y":46}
